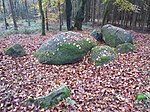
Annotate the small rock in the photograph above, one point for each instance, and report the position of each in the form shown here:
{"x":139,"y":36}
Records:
{"x":15,"y":51}
{"x":124,"y":48}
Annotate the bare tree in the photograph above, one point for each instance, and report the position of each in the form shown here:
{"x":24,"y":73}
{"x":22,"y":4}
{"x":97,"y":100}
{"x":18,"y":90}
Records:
{"x":13,"y":14}
{"x":27,"y":12}
{"x":80,"y":16}
{"x":4,"y":10}
{"x":42,"y":16}
{"x":68,"y":13}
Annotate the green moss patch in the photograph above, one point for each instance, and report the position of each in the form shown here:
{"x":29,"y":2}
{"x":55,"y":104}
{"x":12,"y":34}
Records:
{"x":15,"y":51}
{"x":112,"y":41}
{"x":124,"y":48}
{"x":51,"y":99}
{"x":113,"y":36}
{"x":101,"y":55}
{"x":64,"y":49}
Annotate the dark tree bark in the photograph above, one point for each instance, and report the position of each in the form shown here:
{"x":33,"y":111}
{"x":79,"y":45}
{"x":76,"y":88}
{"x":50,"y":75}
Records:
{"x":68,"y":13}
{"x":42,"y":17}
{"x":46,"y":18}
{"x":99,"y":12}
{"x":27,"y":13}
{"x":4,"y":10}
{"x":60,"y":17}
{"x":94,"y":11}
{"x":106,"y":12}
{"x":134,"y":16}
{"x":87,"y":11}
{"x":80,"y":16}
{"x":13,"y":14}
{"x":148,"y":20}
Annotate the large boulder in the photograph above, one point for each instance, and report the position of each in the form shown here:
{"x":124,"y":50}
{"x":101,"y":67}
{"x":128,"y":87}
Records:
{"x":101,"y":55}
{"x":15,"y":51}
{"x":113,"y":36}
{"x":65,"y":48}
{"x":124,"y":48}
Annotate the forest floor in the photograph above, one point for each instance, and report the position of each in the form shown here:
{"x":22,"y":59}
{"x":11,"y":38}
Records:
{"x":109,"y":88}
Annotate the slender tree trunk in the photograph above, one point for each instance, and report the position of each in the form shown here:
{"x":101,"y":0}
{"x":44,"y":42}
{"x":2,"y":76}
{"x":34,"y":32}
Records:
{"x":42,"y":17}
{"x":134,"y":17}
{"x":99,"y":11}
{"x":6,"y":24}
{"x":114,"y":12}
{"x":148,"y":18}
{"x":27,"y":13}
{"x":60,"y":17}
{"x":34,"y":10}
{"x":94,"y":11}
{"x":106,"y":11}
{"x":13,"y":14}
{"x":80,"y":16}
{"x":46,"y":18}
{"x":87,"y":11}
{"x":68,"y":13}
{"x":145,"y":17}
{"x":122,"y":17}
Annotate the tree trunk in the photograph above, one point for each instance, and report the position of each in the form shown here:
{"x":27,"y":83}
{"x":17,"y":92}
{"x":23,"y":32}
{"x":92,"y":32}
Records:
{"x":46,"y":18}
{"x":87,"y":11}
{"x":6,"y":24}
{"x":145,"y":16}
{"x":148,"y":18}
{"x":99,"y":12}
{"x":114,"y":13}
{"x":60,"y":18}
{"x":13,"y":14}
{"x":94,"y":11}
{"x":134,"y":17}
{"x":42,"y":17}
{"x":68,"y":13}
{"x":27,"y":12}
{"x":106,"y":11}
{"x":80,"y":16}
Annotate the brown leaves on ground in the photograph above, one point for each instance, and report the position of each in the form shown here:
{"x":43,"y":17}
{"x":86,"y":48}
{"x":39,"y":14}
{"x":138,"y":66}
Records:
{"x":108,"y":88}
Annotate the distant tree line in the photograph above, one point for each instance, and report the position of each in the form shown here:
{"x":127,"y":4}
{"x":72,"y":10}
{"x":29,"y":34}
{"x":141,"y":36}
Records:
{"x":134,"y":14}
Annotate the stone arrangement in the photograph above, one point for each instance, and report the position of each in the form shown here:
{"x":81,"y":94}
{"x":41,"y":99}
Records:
{"x":71,"y":47}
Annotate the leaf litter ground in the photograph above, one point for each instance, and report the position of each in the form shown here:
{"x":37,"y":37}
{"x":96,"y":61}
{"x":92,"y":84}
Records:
{"x":109,"y":88}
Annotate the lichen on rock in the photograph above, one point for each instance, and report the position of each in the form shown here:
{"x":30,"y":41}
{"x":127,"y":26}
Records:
{"x":102,"y":54}
{"x":113,"y":36}
{"x":65,"y":48}
{"x":15,"y":51}
{"x":124,"y":48}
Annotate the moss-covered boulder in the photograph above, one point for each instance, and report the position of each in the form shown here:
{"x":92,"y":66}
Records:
{"x":51,"y":99}
{"x":65,"y":48}
{"x":113,"y":36}
{"x":15,"y":51}
{"x":124,"y":48}
{"x":102,"y":54}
